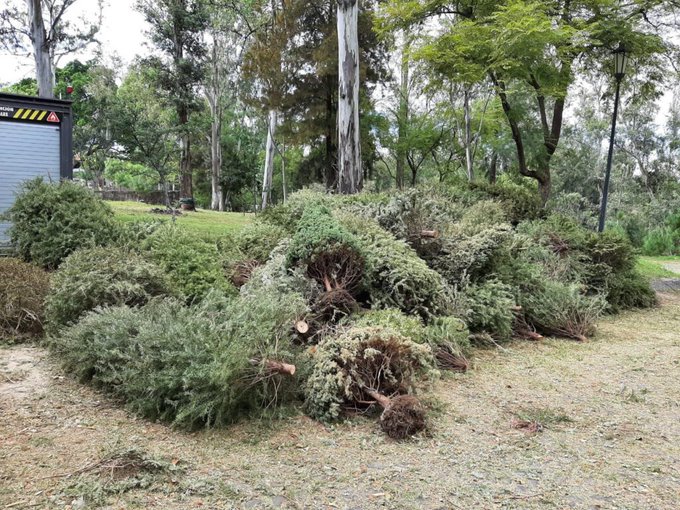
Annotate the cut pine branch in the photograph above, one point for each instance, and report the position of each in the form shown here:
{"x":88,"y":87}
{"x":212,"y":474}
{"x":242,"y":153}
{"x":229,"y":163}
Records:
{"x":275,"y":367}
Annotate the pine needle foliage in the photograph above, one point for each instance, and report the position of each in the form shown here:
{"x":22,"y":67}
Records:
{"x":489,"y":308}
{"x":51,"y":221}
{"x":361,"y":359}
{"x":203,"y":365}
{"x":396,"y":276}
{"x":561,"y":309}
{"x":98,"y":277}
{"x":191,"y":262}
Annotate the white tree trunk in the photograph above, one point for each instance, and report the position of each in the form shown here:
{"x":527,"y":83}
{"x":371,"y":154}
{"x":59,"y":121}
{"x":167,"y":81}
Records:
{"x":217,"y":202}
{"x":41,"y":49}
{"x":269,"y":160}
{"x":350,"y":175}
{"x":403,"y":114}
{"x":468,"y":136}
{"x":213,"y":96}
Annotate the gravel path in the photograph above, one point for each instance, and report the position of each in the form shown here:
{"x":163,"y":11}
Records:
{"x":605,"y":433}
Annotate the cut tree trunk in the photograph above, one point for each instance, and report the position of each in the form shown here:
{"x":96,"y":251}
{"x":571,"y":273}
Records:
{"x":268,"y":176}
{"x":277,"y":367}
{"x":41,"y":49}
{"x":350,"y":175}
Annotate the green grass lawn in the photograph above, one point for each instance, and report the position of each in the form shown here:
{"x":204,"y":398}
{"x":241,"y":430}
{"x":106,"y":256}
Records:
{"x":653,"y":267}
{"x":202,"y":221}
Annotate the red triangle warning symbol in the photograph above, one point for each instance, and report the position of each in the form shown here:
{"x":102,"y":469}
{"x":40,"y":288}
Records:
{"x":53,"y":117}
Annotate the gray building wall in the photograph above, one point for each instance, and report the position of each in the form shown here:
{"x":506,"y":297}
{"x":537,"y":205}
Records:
{"x":26,"y":151}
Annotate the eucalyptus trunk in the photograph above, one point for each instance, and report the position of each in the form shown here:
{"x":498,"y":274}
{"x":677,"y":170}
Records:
{"x":41,"y":49}
{"x":217,"y":201}
{"x":403,"y":114}
{"x":213,"y":95}
{"x":269,"y":160}
{"x":468,"y":136}
{"x":350,"y":175}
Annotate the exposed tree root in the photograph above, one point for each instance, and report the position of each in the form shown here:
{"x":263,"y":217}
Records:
{"x":402,"y":416}
{"x":242,"y":272}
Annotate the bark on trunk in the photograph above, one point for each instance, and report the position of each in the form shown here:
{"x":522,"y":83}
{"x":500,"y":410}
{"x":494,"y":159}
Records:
{"x":41,"y":49}
{"x":468,"y":136}
{"x":269,"y":160}
{"x":493,"y":168}
{"x":217,"y":202}
{"x":403,"y":114}
{"x":186,"y":183}
{"x":330,"y":171}
{"x":213,"y":96}
{"x":350,"y":175}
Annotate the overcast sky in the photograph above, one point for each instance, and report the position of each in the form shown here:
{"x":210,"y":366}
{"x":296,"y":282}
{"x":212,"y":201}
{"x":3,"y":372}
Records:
{"x":122,"y":33}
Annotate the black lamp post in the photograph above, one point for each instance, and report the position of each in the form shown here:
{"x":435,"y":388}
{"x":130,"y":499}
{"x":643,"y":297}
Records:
{"x":620,"y":62}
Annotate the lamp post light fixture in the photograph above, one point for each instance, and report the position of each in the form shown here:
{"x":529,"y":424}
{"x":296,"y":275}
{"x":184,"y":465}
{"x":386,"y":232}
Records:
{"x":620,"y":63}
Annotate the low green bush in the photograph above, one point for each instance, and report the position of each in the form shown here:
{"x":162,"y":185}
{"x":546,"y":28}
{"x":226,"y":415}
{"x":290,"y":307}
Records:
{"x":99,"y":277}
{"x":203,"y":365}
{"x":377,"y":359}
{"x":192,"y":263}
{"x":132,"y":234}
{"x":23,"y":288}
{"x":51,"y":221}
{"x":460,"y":257}
{"x":661,"y":241}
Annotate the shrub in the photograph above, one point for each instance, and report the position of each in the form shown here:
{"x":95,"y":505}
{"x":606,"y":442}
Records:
{"x":288,"y":214}
{"x":490,"y":306}
{"x":482,"y":216}
{"x":203,"y":365}
{"x":22,"y":294}
{"x":346,"y":366}
{"x":561,"y":309}
{"x":410,"y":212}
{"x":102,"y":277}
{"x":51,"y":221}
{"x":192,"y":263}
{"x":397,"y":277}
{"x":661,"y":241}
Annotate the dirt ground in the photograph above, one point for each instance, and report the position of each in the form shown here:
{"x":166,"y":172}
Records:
{"x":603,"y":431}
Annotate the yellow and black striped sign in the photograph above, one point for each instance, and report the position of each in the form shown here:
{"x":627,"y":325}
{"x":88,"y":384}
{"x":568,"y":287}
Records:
{"x":29,"y":115}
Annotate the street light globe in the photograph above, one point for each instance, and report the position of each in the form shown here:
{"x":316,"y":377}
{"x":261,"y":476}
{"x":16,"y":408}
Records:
{"x":620,"y":61}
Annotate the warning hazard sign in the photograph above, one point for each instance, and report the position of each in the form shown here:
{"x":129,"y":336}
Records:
{"x":52,"y":117}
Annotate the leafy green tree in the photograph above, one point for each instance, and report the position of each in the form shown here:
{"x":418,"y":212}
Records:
{"x":177,"y":28}
{"x":42,"y":28}
{"x":144,"y":126}
{"x":527,"y":47}
{"x":308,"y":77}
